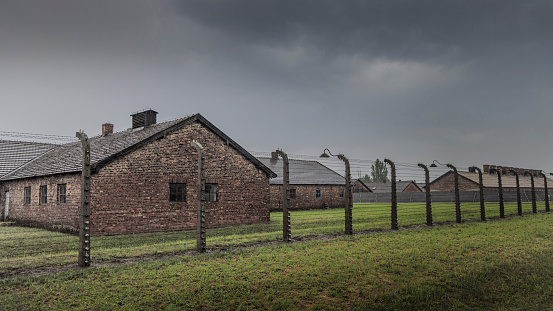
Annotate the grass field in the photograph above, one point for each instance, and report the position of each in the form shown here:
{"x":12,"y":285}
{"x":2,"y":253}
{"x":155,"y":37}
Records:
{"x":495,"y":265}
{"x":25,"y":248}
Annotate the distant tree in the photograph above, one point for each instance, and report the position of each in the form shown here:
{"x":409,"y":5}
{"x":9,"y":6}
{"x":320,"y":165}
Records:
{"x":365,"y":178}
{"x":379,"y":171}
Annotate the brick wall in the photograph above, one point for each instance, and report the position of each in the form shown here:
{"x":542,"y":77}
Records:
{"x":131,"y":194}
{"x":359,"y":187}
{"x":447,"y":183}
{"x":411,"y":188}
{"x":52,"y":215}
{"x":305,"y":197}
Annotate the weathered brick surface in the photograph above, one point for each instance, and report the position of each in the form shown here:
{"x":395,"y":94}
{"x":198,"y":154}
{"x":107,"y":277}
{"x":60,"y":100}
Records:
{"x":411,"y":188}
{"x":359,"y":187}
{"x":52,"y":215}
{"x":447,"y":183}
{"x":131,"y":194}
{"x":305,"y":197}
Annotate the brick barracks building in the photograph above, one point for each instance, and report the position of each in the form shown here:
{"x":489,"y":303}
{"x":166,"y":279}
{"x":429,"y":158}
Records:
{"x":312,"y":185}
{"x":144,"y":179}
{"x":468,"y":180}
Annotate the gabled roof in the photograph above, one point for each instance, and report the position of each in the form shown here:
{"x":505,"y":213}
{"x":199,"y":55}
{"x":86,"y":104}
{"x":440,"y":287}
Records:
{"x":67,"y":158}
{"x":361,"y":184}
{"x":507,"y":181}
{"x":386,"y":187}
{"x":14,"y":154}
{"x":303,"y":172}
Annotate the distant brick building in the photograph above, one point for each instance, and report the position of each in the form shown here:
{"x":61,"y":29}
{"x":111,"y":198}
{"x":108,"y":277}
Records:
{"x":143,"y":180}
{"x":359,"y":187}
{"x":469,"y":181}
{"x":487,"y":168}
{"x":312,"y":185}
{"x":386,"y":187}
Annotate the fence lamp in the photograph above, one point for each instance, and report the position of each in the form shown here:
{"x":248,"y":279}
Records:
{"x":434,"y":164}
{"x":349,"y":199}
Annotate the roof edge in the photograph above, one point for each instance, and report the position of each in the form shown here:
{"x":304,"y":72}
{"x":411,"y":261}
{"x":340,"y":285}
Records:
{"x":186,"y":121}
{"x":54,"y":146}
{"x":233,"y":144}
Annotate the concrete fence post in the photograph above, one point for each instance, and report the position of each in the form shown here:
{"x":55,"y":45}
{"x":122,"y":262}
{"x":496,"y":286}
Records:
{"x":394,"y":223}
{"x":519,"y":200}
{"x":427,"y":191}
{"x":546,"y":198}
{"x":286,"y":225}
{"x":201,"y":233}
{"x":481,"y":188}
{"x":457,"y":199}
{"x":534,"y":206}
{"x":84,"y":219}
{"x":501,"y":204}
{"x":349,"y":201}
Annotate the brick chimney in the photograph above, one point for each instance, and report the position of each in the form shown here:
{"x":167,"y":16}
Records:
{"x":107,"y":128}
{"x":144,"y":118}
{"x":274,"y":158}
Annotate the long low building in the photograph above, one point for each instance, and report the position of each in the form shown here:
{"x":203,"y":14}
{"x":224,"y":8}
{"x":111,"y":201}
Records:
{"x":312,"y":185}
{"x":386,"y":187}
{"x":470,"y":181}
{"x":144,"y":179}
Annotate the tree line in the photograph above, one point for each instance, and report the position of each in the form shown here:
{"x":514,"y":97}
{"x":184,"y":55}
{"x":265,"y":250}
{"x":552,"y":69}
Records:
{"x":379,"y":173}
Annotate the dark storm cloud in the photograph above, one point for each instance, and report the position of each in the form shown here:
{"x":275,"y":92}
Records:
{"x":408,"y":30}
{"x":501,"y":45}
{"x":455,"y":80}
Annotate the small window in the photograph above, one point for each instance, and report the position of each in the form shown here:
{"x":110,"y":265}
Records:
{"x":292,"y":193}
{"x":210,"y":192}
{"x":177,"y":192}
{"x":62,"y":193}
{"x":43,"y":194}
{"x":341,"y":193}
{"x":318,"y":193}
{"x":27,"y":195}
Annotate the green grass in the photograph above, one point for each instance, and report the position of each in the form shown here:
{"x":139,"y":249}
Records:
{"x":25,"y":248}
{"x":496,"y":265}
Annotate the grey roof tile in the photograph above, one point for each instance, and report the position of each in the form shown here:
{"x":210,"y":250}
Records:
{"x":14,"y":154}
{"x":303,"y":172}
{"x":67,"y":158}
{"x":507,"y":181}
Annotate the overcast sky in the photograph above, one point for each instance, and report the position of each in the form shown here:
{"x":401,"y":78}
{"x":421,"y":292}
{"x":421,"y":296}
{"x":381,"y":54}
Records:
{"x":466,"y":82}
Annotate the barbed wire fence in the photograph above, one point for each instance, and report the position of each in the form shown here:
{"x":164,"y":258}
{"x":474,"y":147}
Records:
{"x":407,"y":207}
{"x":25,"y":247}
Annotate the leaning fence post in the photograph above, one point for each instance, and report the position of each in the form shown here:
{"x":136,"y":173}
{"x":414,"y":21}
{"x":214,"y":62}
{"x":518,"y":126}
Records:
{"x":286,"y":226}
{"x":349,"y":201}
{"x":394,"y":194}
{"x":481,"y":188}
{"x":501,"y":204}
{"x":519,"y":201}
{"x":84,"y":221}
{"x":534,"y":207}
{"x":427,"y":190}
{"x":547,"y":209}
{"x":201,"y":235}
{"x":457,"y":199}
